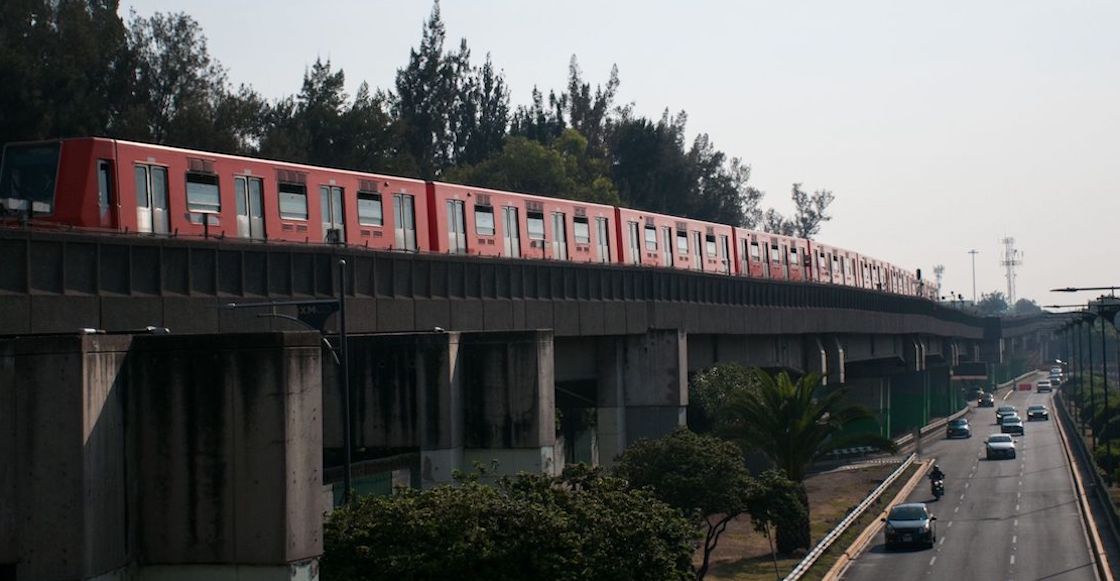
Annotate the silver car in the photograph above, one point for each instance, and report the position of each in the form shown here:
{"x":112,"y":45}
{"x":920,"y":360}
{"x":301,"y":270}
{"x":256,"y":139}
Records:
{"x":910,"y":523}
{"x":999,"y":446}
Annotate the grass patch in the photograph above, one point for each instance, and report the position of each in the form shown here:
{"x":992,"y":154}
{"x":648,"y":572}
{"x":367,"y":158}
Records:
{"x":744,"y":555}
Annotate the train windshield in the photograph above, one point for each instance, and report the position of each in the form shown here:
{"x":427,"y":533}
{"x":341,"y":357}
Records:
{"x":28,"y":176}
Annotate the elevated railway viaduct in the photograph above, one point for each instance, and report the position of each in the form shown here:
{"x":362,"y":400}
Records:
{"x":453,"y":360}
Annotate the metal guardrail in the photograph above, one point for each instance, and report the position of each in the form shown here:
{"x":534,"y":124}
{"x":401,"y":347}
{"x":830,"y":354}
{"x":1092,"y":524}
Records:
{"x":840,"y":528}
{"x":1077,"y":443}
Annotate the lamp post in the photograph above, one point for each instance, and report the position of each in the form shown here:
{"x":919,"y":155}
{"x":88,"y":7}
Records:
{"x":1107,"y":309}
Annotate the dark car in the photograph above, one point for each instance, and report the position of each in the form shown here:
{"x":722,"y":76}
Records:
{"x":910,"y":523}
{"x":958,"y":428}
{"x":1011,"y":425}
{"x":1005,"y":410}
{"x":1038,"y":412}
{"x":986,"y":400}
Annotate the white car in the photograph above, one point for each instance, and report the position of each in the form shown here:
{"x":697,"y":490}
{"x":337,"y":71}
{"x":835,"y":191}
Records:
{"x":1044,"y":386}
{"x":999,"y":446}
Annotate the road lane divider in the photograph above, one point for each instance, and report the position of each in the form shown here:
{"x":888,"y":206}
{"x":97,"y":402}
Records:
{"x":845,"y":559}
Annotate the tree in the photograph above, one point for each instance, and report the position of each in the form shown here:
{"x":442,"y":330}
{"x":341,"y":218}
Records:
{"x":992,"y":304}
{"x":702,"y":476}
{"x":793,"y":424}
{"x":811,"y":211}
{"x":778,"y":505}
{"x":1026,"y":307}
{"x":63,"y":68}
{"x":775,"y":223}
{"x":583,"y":524}
{"x":563,"y":169}
{"x":709,"y":392}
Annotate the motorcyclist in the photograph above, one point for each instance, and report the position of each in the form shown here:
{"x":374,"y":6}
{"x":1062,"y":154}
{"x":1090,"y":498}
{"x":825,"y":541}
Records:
{"x":936,"y":475}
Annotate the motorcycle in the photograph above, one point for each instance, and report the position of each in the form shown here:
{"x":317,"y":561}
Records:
{"x":937,"y":488}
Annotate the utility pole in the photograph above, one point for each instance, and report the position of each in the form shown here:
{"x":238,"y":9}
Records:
{"x":974,"y":252}
{"x":1011,"y":259}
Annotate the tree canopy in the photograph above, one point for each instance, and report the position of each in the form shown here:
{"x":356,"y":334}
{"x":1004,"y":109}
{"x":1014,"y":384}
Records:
{"x":584,"y":524}
{"x":75,"y":68}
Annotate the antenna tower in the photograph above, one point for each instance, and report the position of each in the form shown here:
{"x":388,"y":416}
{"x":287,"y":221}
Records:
{"x":1011,"y":259}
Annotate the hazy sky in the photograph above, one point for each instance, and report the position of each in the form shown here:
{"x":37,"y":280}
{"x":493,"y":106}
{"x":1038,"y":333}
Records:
{"x":940,"y":126}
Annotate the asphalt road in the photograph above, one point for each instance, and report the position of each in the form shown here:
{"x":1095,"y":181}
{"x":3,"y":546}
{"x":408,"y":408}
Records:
{"x":999,"y":519}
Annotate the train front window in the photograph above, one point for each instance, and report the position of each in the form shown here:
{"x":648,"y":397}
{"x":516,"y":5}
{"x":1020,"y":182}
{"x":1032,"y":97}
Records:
{"x":27,"y":180}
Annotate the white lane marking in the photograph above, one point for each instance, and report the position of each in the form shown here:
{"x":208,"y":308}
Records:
{"x":956,"y":509}
{"x":1018,"y":495}
{"x":962,"y":497}
{"x":950,"y":525}
{"x":1016,"y":507}
{"x":942,"y":541}
{"x":1020,"y":483}
{"x":1014,"y":538}
{"x":932,"y":559}
{"x":1012,"y":559}
{"x":966,"y":484}
{"x":1016,"y":522}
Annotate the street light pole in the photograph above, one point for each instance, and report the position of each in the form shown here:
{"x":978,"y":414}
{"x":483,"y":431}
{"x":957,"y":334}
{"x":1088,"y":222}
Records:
{"x":348,"y":446}
{"x":1092,"y":392}
{"x":974,"y":252}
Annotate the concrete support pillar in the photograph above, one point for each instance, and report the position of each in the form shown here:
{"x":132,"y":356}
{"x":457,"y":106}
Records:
{"x":169,"y":456}
{"x":440,"y":410}
{"x":909,"y":401}
{"x":835,"y":353}
{"x":943,"y":396}
{"x":873,"y":394}
{"x":816,"y":357}
{"x":508,"y":397}
{"x":643,"y":388}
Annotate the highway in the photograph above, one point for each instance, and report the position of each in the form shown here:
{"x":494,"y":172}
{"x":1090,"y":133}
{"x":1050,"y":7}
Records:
{"x":999,"y":519}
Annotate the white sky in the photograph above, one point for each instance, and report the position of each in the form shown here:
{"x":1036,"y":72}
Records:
{"x":940,"y":126}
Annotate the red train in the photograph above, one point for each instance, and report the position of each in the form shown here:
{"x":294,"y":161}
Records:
{"x":86,"y":183}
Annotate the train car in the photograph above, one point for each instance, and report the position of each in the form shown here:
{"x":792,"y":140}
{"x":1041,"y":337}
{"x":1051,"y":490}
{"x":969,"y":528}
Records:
{"x":767,"y":255}
{"x":649,"y":239}
{"x":112,"y":185}
{"x":144,"y":188}
{"x":479,"y":221}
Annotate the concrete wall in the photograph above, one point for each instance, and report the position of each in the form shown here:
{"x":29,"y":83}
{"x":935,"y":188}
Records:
{"x":159,"y":450}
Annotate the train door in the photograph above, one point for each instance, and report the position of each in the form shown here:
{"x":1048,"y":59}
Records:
{"x":785,"y":261}
{"x":697,"y":251}
{"x":667,"y":246}
{"x":456,"y":227}
{"x":151,"y":199}
{"x":559,"y":236}
{"x":635,"y":243}
{"x":511,"y":232}
{"x":105,"y":195}
{"x":725,"y":254}
{"x":334,"y":227}
{"x":602,"y":240}
{"x":250,"y":207}
{"x":404,"y":226}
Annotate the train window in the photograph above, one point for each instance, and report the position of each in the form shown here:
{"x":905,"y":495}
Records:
{"x":710,"y":244}
{"x":369,"y":209}
{"x":756,"y":253}
{"x":651,"y":238}
{"x":793,"y":257}
{"x":28,"y":177}
{"x":536,"y":225}
{"x":293,"y":201}
{"x":682,"y":241}
{"x":583,"y":230}
{"x":484,"y":220}
{"x":202,"y":193}
{"x":104,"y":187}
{"x":775,"y":254}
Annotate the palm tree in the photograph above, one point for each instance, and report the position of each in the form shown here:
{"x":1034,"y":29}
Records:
{"x":794,"y":424}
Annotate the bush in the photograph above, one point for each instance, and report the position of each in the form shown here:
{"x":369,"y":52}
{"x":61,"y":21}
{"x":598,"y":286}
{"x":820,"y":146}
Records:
{"x":580,"y":525}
